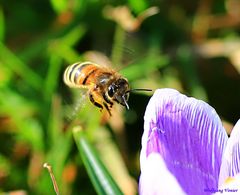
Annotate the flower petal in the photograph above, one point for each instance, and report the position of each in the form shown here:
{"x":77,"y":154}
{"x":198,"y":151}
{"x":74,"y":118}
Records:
{"x":150,"y":180}
{"x":231,"y":157}
{"x":189,"y":136}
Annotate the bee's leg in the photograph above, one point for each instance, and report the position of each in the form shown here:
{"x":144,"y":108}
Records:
{"x":105,"y":97}
{"x":111,"y":104}
{"x":107,"y":108}
{"x":91,"y":97}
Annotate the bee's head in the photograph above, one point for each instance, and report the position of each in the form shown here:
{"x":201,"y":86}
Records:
{"x":119,"y":91}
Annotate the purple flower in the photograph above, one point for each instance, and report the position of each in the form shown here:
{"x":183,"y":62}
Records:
{"x":185,"y":149}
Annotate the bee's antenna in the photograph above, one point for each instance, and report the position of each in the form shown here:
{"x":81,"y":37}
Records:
{"x":139,"y":89}
{"x":125,"y":102}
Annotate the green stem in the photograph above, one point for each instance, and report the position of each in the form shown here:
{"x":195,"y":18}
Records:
{"x":118,"y":45}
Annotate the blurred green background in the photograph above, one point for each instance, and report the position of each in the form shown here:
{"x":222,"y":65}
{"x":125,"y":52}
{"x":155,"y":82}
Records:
{"x":192,"y":46}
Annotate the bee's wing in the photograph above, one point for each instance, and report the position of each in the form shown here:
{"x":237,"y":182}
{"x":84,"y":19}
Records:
{"x":79,"y":102}
{"x":98,"y":57}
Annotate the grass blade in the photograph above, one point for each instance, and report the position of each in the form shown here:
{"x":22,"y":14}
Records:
{"x":100,"y":177}
{"x":10,"y":60}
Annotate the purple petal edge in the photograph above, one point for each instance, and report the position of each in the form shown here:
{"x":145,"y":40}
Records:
{"x":231,"y":157}
{"x":189,"y":136}
{"x":150,"y":181}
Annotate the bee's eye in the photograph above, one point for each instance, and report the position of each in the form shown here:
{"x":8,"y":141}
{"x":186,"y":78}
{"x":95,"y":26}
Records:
{"x":111,"y":91}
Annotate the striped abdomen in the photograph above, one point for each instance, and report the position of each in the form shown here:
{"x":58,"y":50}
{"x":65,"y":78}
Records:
{"x":80,"y":74}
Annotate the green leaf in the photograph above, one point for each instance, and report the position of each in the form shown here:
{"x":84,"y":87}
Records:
{"x":144,"y":67}
{"x":100,"y":177}
{"x":63,"y":46}
{"x":59,"y":5}
{"x":138,"y":5}
{"x":52,"y":77}
{"x":74,"y":35}
{"x":21,"y":111}
{"x":10,"y":60}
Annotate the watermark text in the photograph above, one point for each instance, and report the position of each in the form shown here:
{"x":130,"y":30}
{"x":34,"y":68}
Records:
{"x":213,"y":190}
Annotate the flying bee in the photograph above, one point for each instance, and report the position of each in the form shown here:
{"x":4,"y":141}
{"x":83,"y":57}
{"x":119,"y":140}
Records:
{"x":105,"y":86}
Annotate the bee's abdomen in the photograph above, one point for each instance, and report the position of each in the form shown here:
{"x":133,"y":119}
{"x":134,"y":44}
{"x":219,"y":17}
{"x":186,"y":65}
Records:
{"x":79,"y":74}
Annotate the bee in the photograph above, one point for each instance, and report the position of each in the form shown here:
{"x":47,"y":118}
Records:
{"x":105,"y":85}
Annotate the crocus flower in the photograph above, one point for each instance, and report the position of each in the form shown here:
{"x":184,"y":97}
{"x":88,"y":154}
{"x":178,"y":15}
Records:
{"x":185,"y":148}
